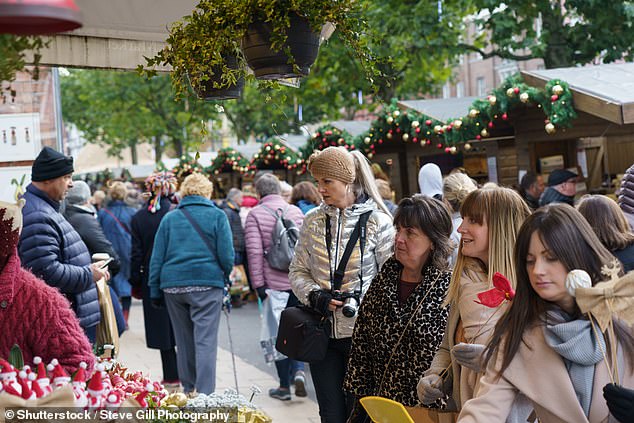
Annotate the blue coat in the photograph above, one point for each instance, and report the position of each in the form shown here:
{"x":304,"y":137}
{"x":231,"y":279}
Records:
{"x":118,"y":233}
{"x":180,"y":258}
{"x":54,"y":251}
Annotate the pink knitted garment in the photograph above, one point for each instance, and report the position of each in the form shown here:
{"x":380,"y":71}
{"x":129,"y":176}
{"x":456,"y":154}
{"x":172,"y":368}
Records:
{"x":38,"y":318}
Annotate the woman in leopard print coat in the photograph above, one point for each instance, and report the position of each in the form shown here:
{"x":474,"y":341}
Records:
{"x":401,"y":319}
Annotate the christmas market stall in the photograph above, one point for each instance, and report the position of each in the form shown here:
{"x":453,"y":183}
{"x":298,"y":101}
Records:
{"x":226,"y":171}
{"x":600,"y":142}
{"x":277,"y":156}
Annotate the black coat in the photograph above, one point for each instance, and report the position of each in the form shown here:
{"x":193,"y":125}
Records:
{"x":232,"y":211}
{"x":88,"y":228}
{"x":158,"y":329}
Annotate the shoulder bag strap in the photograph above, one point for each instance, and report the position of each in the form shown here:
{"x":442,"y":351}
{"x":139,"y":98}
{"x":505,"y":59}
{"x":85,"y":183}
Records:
{"x":359,"y":228}
{"x":363,"y":221}
{"x":124,"y":227}
{"x":200,"y":232}
{"x":420,"y":305}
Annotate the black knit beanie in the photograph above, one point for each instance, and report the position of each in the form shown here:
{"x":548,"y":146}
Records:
{"x":51,"y":164}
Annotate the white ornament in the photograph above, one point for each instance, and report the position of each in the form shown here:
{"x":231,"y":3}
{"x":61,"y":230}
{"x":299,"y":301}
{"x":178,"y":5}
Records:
{"x":577,"y":278}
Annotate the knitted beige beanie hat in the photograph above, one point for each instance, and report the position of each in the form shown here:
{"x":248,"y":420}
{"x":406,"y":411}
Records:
{"x":332,"y":162}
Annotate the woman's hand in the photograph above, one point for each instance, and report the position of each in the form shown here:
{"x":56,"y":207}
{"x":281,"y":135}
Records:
{"x":468,"y":355}
{"x":620,"y":401}
{"x":428,"y":389}
{"x":332,"y":306}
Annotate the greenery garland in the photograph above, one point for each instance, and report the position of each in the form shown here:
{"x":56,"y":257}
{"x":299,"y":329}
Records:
{"x":483,"y":116}
{"x":228,"y":160}
{"x":185,"y":167}
{"x":325,"y":136}
{"x":274,"y":154}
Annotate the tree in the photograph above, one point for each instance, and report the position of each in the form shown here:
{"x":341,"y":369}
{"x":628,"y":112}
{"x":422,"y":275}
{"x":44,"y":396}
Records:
{"x":562,"y":33}
{"x":121,"y":109}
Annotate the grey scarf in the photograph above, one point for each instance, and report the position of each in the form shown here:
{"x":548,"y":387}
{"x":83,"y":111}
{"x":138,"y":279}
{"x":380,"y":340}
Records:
{"x":576,"y":343}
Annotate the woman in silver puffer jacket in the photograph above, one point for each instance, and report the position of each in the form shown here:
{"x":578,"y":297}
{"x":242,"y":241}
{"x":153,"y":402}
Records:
{"x":347,"y":186}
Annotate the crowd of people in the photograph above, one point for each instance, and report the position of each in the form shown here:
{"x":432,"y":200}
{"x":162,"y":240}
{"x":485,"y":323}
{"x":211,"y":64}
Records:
{"x":404,"y":300}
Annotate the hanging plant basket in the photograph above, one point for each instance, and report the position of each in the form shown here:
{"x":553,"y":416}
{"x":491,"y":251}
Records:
{"x":302,"y":43}
{"x":214,"y":88}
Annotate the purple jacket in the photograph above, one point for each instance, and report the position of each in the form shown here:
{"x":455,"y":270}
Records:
{"x":257,"y":237}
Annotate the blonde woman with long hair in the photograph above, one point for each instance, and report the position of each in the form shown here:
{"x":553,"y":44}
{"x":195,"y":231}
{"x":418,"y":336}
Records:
{"x":492,"y":218}
{"x":346,"y":184}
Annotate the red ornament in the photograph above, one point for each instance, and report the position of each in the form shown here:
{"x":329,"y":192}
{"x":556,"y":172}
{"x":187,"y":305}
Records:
{"x":428,"y":122}
{"x":478,"y":137}
{"x":417,"y":130}
{"x":449,"y":128}
{"x":428,"y":142}
{"x":38,"y":17}
{"x":439,"y":145}
{"x":447,"y":149}
{"x":501,"y":292}
{"x":490,"y":125}
{"x":398,"y":130}
{"x":516,"y":90}
{"x":505,"y":116}
{"x":414,"y":139}
{"x":380,"y":141}
{"x":554,"y":98}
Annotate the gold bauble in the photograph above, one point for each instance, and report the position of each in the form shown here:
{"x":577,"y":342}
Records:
{"x":405,"y":136}
{"x":467,"y":147}
{"x":178,"y":399}
{"x":473,"y":113}
{"x":558,"y":89}
{"x":389,"y":135}
{"x":492,"y":100}
{"x":524,"y":97}
{"x":484,"y":132}
{"x":453,"y":149}
{"x":367,"y":140}
{"x":396,"y":113}
{"x":437,"y":129}
{"x":510,"y":92}
{"x":457,"y":123}
{"x":550,"y":128}
{"x":415,"y":124}
{"x":390,"y":119}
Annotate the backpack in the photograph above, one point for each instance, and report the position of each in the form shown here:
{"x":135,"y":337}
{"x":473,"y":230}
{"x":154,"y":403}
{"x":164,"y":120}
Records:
{"x":284,"y":238}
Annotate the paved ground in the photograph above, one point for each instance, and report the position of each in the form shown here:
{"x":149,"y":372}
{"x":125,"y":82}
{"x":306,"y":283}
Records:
{"x":244,"y":326}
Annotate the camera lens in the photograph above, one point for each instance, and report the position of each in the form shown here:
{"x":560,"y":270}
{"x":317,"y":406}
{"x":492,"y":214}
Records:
{"x":349,"y":308}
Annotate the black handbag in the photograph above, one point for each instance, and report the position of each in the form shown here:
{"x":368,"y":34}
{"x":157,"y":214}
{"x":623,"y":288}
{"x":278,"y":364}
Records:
{"x":303,"y":334}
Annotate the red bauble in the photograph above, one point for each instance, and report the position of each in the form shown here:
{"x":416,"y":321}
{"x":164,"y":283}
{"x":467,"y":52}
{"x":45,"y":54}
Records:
{"x":439,"y":145}
{"x":478,"y":137}
{"x":554,"y":98}
{"x":428,"y":122}
{"x":490,"y":125}
{"x":505,"y":116}
{"x":516,"y":90}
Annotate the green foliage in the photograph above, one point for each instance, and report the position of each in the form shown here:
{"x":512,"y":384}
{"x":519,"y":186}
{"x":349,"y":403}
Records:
{"x":13,"y":50}
{"x":571,"y":32}
{"x":394,"y":125}
{"x":199,"y":44}
{"x":121,"y":109}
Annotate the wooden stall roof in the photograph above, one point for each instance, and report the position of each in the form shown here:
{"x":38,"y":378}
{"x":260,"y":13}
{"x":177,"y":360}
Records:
{"x":353,"y":127}
{"x":440,"y":109}
{"x":606,"y":91}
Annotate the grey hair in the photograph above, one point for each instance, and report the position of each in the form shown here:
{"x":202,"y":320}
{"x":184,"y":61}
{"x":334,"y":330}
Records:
{"x":233,"y":194}
{"x":267,"y":184}
{"x":364,"y":181}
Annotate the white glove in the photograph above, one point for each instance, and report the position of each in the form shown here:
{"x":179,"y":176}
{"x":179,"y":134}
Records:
{"x":428,"y":389}
{"x":469,"y":355}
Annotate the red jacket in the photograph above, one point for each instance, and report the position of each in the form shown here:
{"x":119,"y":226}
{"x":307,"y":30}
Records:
{"x":39,"y":320}
{"x":258,"y":239}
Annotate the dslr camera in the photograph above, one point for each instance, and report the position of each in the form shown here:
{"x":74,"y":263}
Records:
{"x":350,"y":302}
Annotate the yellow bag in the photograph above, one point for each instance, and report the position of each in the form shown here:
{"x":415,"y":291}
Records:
{"x":107,"y":333}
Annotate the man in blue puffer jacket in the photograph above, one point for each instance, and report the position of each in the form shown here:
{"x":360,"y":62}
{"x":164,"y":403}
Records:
{"x":50,"y":247}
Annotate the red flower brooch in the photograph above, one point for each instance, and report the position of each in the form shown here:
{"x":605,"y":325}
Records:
{"x":502,"y":291}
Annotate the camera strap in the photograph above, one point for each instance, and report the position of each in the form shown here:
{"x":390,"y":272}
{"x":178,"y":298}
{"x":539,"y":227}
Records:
{"x":359,"y":232}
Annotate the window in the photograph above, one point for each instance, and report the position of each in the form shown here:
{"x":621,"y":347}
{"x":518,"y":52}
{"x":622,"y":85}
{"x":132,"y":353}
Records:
{"x":460,"y":89}
{"x":446,"y":90}
{"x":481,"y":87}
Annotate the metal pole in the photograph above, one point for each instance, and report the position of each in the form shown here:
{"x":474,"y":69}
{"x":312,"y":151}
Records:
{"x":57,"y":107}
